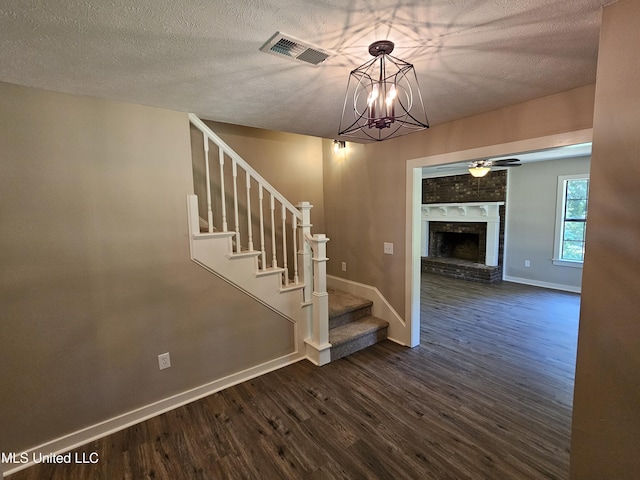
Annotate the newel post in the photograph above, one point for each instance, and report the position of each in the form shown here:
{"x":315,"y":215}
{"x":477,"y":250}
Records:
{"x":318,"y":348}
{"x":320,"y":323}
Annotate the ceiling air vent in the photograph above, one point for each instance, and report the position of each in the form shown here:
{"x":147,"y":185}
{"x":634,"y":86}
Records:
{"x":284,"y":45}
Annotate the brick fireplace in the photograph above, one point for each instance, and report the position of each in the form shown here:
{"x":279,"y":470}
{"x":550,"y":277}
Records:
{"x":462,"y":240}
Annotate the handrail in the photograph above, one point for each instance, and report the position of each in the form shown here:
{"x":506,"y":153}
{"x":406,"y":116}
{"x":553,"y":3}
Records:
{"x":200,"y":125}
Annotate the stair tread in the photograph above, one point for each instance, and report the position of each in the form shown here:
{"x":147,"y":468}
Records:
{"x":355,"y":329}
{"x":244,"y":254}
{"x":204,"y":235}
{"x":342,"y":302}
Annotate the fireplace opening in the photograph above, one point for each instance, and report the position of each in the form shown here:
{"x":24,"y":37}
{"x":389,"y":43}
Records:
{"x":463,"y":246}
{"x":459,"y":241}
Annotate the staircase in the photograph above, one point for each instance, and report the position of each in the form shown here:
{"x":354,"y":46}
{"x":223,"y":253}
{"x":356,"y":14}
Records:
{"x":247,"y":233}
{"x":351,"y":325}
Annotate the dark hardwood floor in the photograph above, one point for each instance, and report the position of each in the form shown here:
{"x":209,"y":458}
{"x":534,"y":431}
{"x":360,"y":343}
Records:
{"x":487,"y":395}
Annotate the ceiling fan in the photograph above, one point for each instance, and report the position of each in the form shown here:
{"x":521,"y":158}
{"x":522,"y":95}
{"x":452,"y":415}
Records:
{"x":479,"y":168}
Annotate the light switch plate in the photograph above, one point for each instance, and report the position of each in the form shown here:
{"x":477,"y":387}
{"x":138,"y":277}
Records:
{"x":164,"y":361}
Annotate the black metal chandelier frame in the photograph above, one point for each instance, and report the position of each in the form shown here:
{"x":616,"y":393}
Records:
{"x":382,"y":99}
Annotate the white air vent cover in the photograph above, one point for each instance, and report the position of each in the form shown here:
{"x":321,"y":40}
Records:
{"x":285,"y":46}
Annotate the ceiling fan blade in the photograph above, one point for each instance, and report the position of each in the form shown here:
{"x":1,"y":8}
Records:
{"x":506,"y":162}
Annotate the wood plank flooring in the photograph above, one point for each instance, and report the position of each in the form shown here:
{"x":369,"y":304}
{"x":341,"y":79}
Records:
{"x":487,"y":395}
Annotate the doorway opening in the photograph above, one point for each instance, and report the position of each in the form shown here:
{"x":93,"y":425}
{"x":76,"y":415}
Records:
{"x":414,"y":234}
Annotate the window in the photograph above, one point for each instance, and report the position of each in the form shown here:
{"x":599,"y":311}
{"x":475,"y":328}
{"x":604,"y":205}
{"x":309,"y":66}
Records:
{"x":571,"y":220}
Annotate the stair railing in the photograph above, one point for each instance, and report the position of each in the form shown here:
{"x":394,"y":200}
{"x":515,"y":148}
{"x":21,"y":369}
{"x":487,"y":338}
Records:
{"x":307,"y":250}
{"x":273,"y":224}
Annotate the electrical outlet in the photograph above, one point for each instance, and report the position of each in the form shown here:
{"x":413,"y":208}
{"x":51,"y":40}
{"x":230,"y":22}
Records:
{"x":164,"y":361}
{"x":344,"y":266}
{"x":388,"y":248}
{"x":527,"y":263}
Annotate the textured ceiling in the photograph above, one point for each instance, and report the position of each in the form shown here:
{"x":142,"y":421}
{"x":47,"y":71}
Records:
{"x":202,"y":56}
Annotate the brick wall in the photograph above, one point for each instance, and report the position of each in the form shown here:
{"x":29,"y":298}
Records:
{"x":465,"y":188}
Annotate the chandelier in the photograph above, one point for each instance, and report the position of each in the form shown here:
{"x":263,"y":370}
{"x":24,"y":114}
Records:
{"x":383,"y":99}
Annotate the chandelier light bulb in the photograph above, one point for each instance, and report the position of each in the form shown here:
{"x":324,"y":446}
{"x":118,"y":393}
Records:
{"x":373,"y":96}
{"x":392,"y":94}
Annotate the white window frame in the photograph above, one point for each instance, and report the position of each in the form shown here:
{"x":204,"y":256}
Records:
{"x":559,"y":232}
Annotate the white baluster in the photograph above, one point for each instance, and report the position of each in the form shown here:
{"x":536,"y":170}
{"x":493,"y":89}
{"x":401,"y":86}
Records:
{"x":263,"y":253}
{"x":249,"y":226}
{"x":284,"y":245}
{"x":208,"y":180}
{"x":305,"y":250}
{"x":224,"y":202}
{"x":294,"y":227}
{"x":235,"y":205}
{"x":274,"y":261}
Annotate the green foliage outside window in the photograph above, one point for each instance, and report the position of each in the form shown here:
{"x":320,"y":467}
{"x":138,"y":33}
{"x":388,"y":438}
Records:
{"x":575,"y":219}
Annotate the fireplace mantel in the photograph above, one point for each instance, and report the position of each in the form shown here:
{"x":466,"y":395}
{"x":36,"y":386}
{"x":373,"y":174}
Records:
{"x":462,"y":212}
{"x":481,"y":212}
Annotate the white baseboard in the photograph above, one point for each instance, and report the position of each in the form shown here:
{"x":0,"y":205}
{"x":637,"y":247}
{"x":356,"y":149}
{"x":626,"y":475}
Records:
{"x":381,"y":307}
{"x":115,"y":424}
{"x":536,"y":283}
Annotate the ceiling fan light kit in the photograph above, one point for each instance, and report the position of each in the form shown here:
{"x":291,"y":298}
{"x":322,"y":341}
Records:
{"x":478,"y":171}
{"x":383,"y":98}
{"x":480,"y":168}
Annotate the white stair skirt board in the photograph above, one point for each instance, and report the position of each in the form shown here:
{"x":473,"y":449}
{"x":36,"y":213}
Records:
{"x":120,"y":422}
{"x":381,"y":307}
{"x":211,"y":250}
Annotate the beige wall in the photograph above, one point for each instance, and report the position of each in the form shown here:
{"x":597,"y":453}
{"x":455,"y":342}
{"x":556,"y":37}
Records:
{"x":606,"y":420}
{"x":365,"y":189}
{"x":96,"y":279}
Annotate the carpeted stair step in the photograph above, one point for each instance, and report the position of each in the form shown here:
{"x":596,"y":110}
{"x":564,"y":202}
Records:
{"x":345,"y":308}
{"x":353,"y":336}
{"x":351,"y":325}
